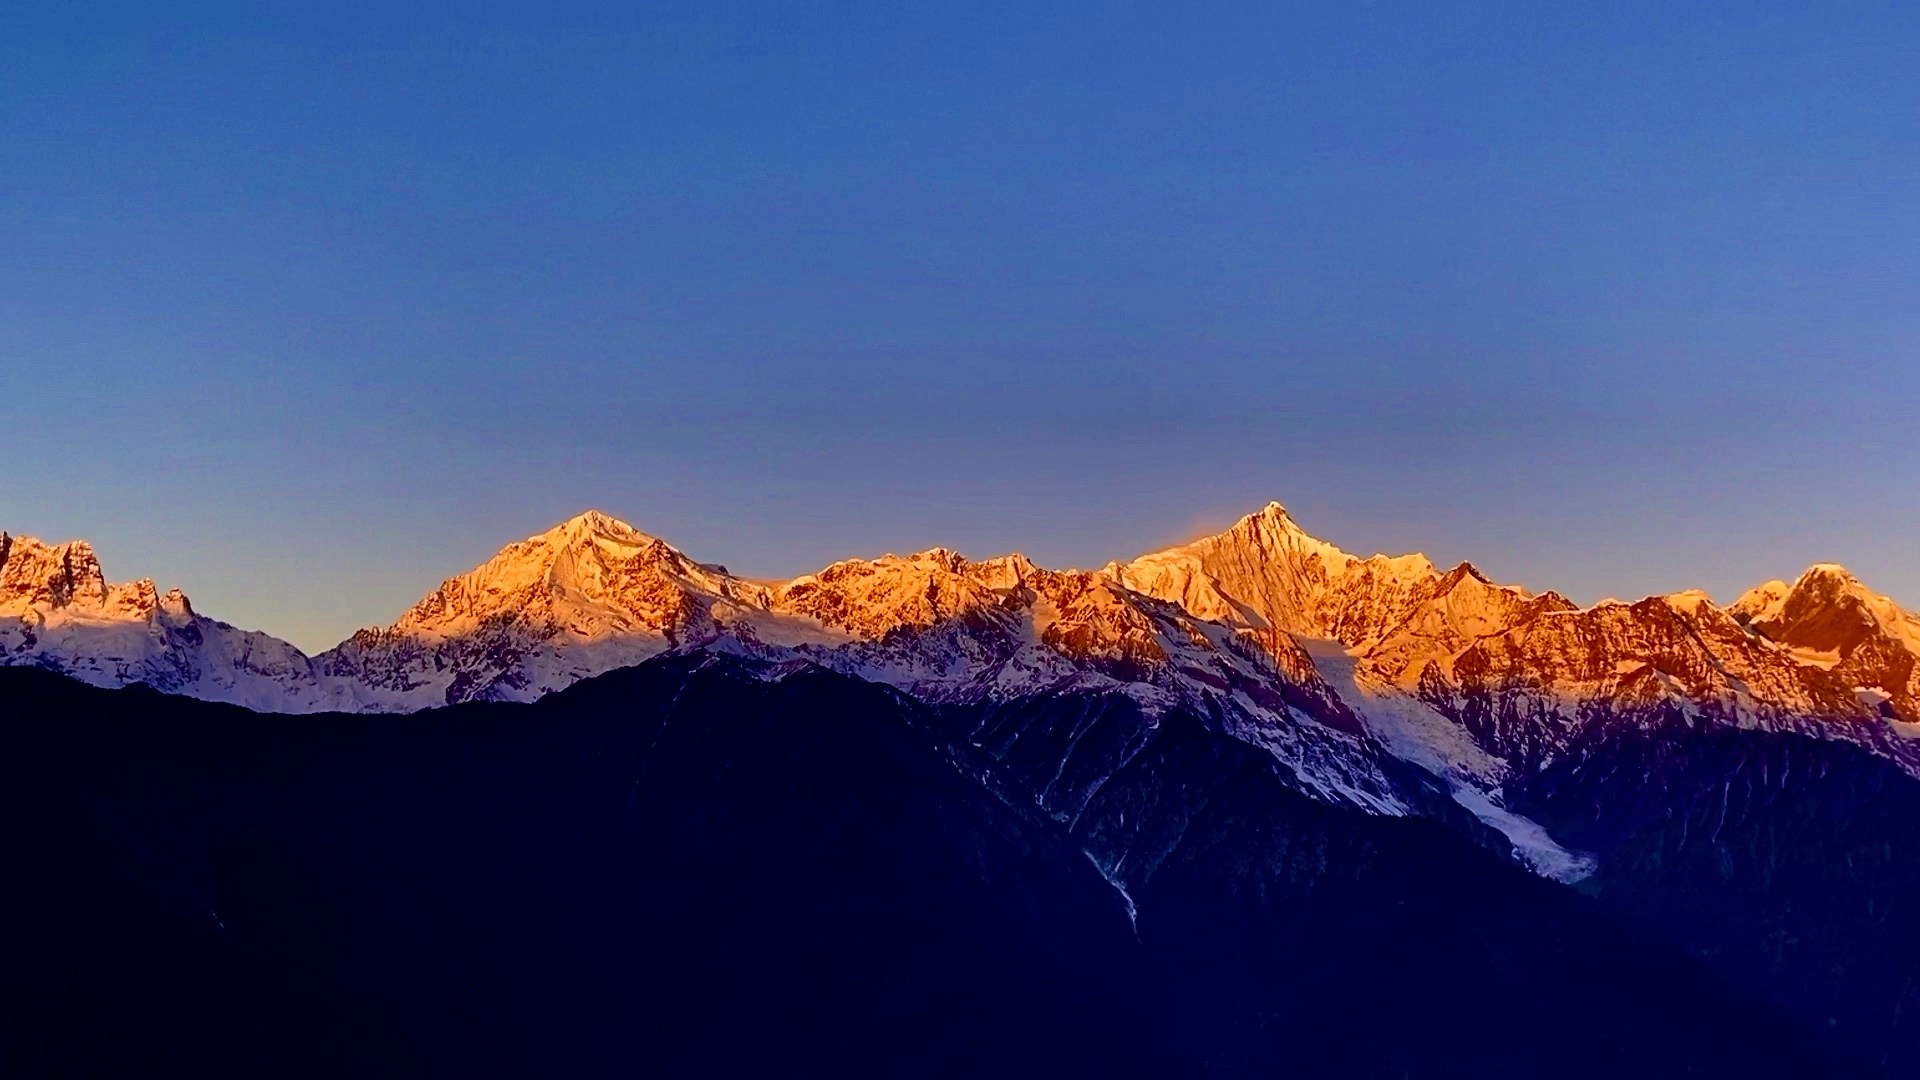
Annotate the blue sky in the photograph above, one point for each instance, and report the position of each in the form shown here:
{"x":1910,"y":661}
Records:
{"x":304,"y":311}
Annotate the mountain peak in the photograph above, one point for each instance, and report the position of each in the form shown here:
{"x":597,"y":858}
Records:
{"x":56,"y":575}
{"x":1264,"y":571}
{"x":1827,"y":573}
{"x":594,"y":523}
{"x":1462,"y":572}
{"x":1821,"y":585}
{"x":588,"y":570}
{"x":1270,"y":518}
{"x":1273,"y":510}
{"x":1828,"y":617}
{"x":58,"y":611}
{"x":945,"y":556}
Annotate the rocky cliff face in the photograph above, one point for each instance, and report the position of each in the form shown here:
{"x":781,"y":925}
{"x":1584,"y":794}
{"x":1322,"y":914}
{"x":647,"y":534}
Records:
{"x":1828,"y":619}
{"x":1525,"y":691}
{"x":57,"y":611}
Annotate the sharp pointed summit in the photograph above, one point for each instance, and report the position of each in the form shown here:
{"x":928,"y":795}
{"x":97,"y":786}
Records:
{"x":1266,"y":571}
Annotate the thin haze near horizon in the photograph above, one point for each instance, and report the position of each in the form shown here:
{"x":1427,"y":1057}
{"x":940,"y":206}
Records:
{"x":305,"y":311}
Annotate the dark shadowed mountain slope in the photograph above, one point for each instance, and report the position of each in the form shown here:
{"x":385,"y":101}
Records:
{"x":685,"y":873}
{"x":703,"y":866}
{"x":1791,"y":863}
{"x":1278,"y":922}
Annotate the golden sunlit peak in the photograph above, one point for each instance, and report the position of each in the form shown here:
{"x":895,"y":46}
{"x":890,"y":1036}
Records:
{"x":1273,"y":509}
{"x":1273,"y":515}
{"x":596,"y":523}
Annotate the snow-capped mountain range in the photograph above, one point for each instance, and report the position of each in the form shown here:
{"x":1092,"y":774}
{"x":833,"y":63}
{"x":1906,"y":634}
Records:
{"x":1340,"y":666}
{"x":57,"y":611}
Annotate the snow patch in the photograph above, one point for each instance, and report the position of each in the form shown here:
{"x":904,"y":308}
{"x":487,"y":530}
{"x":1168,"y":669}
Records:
{"x":1415,"y":733}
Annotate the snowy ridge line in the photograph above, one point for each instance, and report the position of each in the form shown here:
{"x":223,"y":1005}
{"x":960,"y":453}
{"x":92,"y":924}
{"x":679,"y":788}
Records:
{"x":594,"y":594}
{"x":1475,"y":681}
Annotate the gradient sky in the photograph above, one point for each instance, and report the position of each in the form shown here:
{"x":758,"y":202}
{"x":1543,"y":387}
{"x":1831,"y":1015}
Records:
{"x":304,"y":311}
